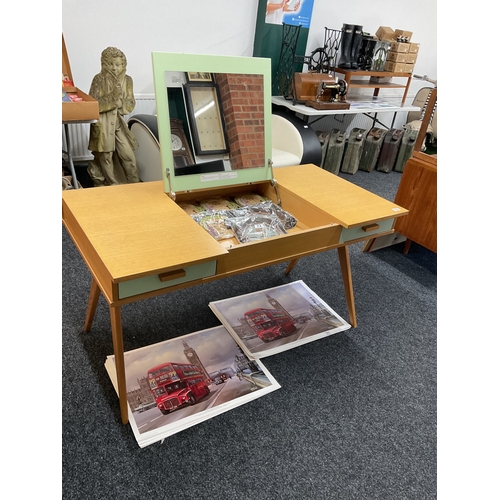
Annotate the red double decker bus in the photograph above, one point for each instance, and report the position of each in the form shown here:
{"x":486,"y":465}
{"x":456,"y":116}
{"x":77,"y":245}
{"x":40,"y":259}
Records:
{"x":176,"y":384}
{"x":269,"y":324}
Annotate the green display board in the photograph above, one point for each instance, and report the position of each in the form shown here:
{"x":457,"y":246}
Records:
{"x":268,"y":37}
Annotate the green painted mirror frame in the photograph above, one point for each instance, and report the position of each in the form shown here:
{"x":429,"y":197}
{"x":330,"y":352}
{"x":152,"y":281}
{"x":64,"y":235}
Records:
{"x":164,"y":62}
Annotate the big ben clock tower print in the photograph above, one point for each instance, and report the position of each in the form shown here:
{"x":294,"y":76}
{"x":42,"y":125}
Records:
{"x":276,"y":305}
{"x":193,"y":358}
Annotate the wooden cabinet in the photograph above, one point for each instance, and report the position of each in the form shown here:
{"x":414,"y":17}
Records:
{"x":362,"y":79}
{"x":417,"y":192}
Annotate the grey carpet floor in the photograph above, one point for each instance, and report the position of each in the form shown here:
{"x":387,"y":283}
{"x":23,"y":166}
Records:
{"x":355,"y":417}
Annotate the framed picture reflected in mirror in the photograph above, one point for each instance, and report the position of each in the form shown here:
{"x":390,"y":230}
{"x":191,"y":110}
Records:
{"x":197,"y":76}
{"x":206,"y":118}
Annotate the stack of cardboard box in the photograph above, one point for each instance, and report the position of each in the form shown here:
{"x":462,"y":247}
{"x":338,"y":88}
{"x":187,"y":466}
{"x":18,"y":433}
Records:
{"x":402,"y":54}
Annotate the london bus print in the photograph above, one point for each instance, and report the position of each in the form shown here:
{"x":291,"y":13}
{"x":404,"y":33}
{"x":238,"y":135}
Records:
{"x":275,"y":319}
{"x":269,"y":324}
{"x":174,"y":385}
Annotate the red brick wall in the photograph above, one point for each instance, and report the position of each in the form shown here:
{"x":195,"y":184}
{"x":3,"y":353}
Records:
{"x":242,"y":99}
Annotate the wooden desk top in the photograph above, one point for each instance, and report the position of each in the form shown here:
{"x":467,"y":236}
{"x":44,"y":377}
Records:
{"x":135,"y":228}
{"x":348,"y":204}
{"x":130,"y":230}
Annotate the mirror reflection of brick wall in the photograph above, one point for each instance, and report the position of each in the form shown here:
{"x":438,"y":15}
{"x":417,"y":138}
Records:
{"x":242,"y":98}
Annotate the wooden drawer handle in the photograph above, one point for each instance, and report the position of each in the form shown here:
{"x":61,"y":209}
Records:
{"x":371,"y":227}
{"x":172,"y":275}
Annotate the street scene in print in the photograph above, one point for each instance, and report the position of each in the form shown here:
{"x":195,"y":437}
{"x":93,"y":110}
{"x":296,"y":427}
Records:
{"x":180,"y":382}
{"x":277,"y":319}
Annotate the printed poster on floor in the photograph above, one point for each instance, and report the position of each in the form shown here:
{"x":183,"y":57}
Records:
{"x":277,"y":319}
{"x":184,"y":381}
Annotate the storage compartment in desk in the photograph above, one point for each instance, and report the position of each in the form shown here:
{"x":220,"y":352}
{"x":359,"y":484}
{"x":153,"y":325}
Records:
{"x":166,"y":280}
{"x":366,"y":230}
{"x":314,"y":231}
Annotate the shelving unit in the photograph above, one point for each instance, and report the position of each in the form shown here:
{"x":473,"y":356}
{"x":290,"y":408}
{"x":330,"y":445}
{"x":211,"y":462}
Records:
{"x":354,"y":79}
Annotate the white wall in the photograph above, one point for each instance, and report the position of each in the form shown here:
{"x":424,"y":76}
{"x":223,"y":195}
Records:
{"x":223,"y":27}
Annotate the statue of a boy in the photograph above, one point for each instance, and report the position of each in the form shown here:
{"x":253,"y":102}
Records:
{"x":111,"y":141}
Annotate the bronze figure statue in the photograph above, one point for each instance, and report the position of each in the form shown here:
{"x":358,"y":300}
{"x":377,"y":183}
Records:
{"x":111,"y":141}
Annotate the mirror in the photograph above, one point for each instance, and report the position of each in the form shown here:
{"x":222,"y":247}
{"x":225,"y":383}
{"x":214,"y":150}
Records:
{"x":214,"y":115}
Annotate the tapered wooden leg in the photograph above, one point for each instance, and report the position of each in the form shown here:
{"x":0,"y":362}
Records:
{"x":116,"y":330}
{"x":406,"y":249}
{"x":92,"y":305}
{"x":345,"y":267}
{"x":368,"y":245}
{"x":291,"y":265}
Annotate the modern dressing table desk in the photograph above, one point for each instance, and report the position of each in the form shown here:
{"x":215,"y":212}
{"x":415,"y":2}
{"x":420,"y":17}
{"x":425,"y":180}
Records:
{"x":138,"y":243}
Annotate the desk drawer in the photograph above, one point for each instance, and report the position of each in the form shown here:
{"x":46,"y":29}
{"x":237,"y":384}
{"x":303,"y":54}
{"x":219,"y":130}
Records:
{"x":367,"y":230}
{"x":166,"y":280}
